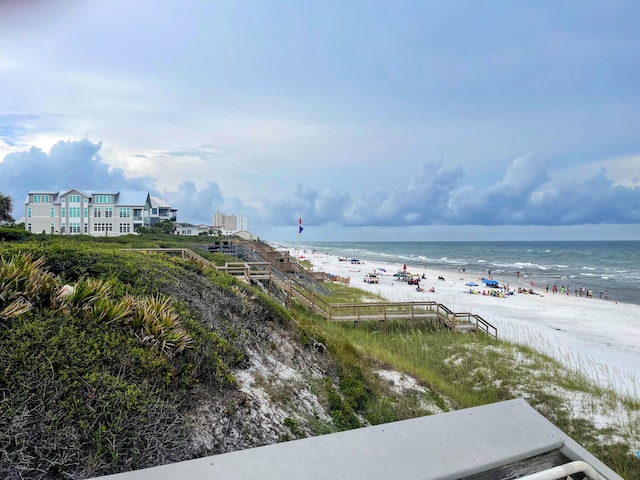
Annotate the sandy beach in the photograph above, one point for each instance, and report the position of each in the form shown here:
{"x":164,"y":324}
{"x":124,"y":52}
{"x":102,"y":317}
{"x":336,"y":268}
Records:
{"x":600,"y":337}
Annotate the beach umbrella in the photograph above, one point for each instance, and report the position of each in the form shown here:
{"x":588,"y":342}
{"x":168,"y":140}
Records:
{"x":471,"y":284}
{"x":405,"y":267}
{"x":382,"y":269}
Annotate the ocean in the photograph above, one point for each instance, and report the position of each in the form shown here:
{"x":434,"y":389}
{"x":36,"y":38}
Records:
{"x":603,"y":266}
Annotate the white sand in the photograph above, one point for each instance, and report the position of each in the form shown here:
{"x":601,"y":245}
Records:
{"x":600,"y":337}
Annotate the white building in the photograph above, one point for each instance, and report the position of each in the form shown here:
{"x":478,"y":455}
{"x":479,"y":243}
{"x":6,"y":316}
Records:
{"x":98,"y":213}
{"x":229,"y":224}
{"x":192,"y":230}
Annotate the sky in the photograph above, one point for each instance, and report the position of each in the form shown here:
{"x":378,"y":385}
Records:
{"x":369,"y":120}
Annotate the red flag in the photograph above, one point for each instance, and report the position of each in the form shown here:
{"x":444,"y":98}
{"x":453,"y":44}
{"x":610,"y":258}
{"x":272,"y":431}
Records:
{"x":299,"y":221}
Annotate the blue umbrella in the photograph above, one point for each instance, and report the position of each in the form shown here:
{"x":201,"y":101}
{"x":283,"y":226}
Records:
{"x":471,"y":284}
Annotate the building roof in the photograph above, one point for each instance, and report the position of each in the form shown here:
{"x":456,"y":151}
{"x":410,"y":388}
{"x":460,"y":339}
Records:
{"x":158,"y":202}
{"x":86,"y":193}
{"x":131,"y":197}
{"x":120,"y":197}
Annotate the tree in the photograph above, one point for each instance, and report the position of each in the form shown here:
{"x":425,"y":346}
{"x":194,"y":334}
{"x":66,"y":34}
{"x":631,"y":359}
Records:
{"x":164,"y":227}
{"x":6,"y":206}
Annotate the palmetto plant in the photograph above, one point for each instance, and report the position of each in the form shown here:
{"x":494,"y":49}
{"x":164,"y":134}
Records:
{"x":23,"y":283}
{"x":84,"y":295}
{"x":154,"y":321}
{"x":110,"y":311}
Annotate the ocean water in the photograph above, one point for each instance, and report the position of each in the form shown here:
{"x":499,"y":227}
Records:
{"x":612,"y":266}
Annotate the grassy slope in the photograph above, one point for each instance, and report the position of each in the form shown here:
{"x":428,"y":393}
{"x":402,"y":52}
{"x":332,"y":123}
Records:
{"x":96,"y":401}
{"x":84,"y":397}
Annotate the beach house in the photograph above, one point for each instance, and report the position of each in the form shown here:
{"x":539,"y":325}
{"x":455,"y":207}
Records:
{"x":93,"y":212}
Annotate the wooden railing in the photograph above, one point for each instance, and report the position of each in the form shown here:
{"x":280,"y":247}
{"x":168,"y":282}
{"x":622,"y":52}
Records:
{"x":341,"y":312}
{"x":430,"y":311}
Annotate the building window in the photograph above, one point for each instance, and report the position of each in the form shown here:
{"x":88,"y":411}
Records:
{"x":86,"y":201}
{"x":103,"y":227}
{"x":41,"y":199}
{"x":125,"y":212}
{"x":74,"y":198}
{"x":64,"y":212}
{"x":154,"y":211}
{"x":74,"y":227}
{"x":96,"y":212}
{"x":62,"y":229}
{"x":52,"y":212}
{"x":53,"y":227}
{"x":74,"y":212}
{"x":86,"y":212}
{"x":125,"y":228}
{"x":29,"y":226}
{"x":108,"y":212}
{"x":102,"y":198}
{"x":28,"y":211}
{"x":86,"y":228}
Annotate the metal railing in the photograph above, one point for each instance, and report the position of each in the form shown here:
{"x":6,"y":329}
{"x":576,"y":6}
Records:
{"x":561,"y":472}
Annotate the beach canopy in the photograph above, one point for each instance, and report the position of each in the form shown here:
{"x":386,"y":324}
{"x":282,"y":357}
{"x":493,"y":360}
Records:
{"x":490,"y":283}
{"x":471,"y":284}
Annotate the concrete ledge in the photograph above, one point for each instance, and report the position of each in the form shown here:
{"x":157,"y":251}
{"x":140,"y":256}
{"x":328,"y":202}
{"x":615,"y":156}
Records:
{"x":447,"y":446}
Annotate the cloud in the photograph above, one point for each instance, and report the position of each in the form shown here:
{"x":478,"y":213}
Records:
{"x":14,"y":127}
{"x":434,"y":195}
{"x":68,"y":164}
{"x":205,"y":152}
{"x":199,"y":205}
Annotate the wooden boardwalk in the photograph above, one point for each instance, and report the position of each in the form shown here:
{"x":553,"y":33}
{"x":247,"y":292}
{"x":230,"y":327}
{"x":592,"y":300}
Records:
{"x":342,"y":312}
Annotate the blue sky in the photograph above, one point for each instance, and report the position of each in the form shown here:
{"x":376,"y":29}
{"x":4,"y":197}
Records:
{"x":371,"y":120}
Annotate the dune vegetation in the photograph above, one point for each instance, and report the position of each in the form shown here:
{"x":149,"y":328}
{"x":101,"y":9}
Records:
{"x":115,"y":359}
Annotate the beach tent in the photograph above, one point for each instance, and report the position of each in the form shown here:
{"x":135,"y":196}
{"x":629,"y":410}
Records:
{"x":490,"y":283}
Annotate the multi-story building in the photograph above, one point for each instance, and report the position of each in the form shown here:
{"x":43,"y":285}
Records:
{"x":229,"y":224}
{"x":98,"y":213}
{"x":161,"y":211}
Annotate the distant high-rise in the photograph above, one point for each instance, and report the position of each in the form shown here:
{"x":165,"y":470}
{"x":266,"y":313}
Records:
{"x":230,"y":224}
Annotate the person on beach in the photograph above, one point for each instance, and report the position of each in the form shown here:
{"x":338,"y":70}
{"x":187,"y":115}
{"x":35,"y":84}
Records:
{"x":547,"y":288}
